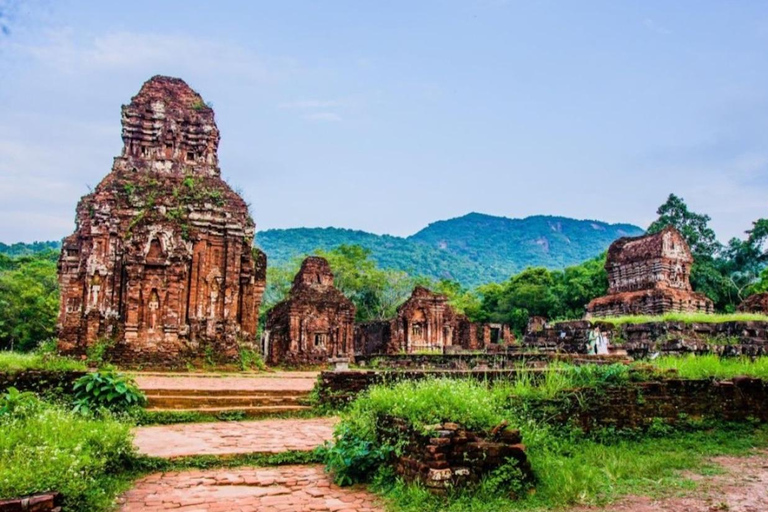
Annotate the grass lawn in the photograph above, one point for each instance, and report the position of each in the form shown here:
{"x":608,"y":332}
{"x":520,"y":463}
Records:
{"x":14,"y":362}
{"x":688,"y":318}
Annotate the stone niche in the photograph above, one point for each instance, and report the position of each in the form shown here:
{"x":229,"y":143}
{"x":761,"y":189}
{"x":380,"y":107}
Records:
{"x":649,"y":275}
{"x":314,"y":324}
{"x":426,"y":322}
{"x":162,"y":260}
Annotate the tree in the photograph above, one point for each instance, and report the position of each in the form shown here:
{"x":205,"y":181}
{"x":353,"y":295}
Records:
{"x":29,"y":301}
{"x":693,"y":226}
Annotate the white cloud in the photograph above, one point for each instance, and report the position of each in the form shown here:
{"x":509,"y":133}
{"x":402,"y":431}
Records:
{"x":133,"y":51}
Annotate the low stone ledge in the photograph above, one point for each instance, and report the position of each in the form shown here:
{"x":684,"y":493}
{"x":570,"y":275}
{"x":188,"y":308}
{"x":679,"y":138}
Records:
{"x":48,"y":502}
{"x":40,"y":381}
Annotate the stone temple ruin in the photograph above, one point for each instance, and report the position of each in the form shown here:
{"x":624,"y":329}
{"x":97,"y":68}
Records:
{"x":649,"y":275}
{"x":315,"y":323}
{"x":426,"y":322}
{"x":162,"y":261}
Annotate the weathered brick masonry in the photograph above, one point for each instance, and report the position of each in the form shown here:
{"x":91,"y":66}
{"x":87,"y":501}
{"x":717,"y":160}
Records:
{"x":316,"y":321}
{"x":452,"y":456}
{"x":649,"y":275}
{"x":162,"y":261}
{"x":640,"y":340}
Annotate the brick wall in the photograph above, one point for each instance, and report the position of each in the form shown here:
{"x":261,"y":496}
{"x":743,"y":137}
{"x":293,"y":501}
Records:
{"x":452,"y":455}
{"x":640,"y":340}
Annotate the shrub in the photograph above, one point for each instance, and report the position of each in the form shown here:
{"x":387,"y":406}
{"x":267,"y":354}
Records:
{"x":44,"y":447}
{"x":106,"y":389}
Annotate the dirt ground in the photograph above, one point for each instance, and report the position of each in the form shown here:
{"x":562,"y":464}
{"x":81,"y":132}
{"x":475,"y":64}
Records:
{"x":743,"y":487}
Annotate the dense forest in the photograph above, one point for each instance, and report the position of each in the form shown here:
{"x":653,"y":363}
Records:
{"x":726,"y":273}
{"x":473,"y":250}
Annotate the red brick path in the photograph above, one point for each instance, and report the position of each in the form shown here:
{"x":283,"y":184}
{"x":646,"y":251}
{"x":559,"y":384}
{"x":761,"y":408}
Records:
{"x":283,"y":381}
{"x":235,"y":437}
{"x":287,"y":488}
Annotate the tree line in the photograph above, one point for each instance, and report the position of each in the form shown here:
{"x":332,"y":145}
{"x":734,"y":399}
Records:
{"x":726,"y":273}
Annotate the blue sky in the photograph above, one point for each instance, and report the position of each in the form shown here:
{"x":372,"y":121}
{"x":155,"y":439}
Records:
{"x":385,"y":116}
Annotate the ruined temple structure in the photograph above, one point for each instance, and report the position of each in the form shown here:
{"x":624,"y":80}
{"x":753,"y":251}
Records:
{"x":648,"y":275}
{"x":314,"y":324}
{"x":757,"y":303}
{"x":162,"y":260}
{"x":426,"y":322}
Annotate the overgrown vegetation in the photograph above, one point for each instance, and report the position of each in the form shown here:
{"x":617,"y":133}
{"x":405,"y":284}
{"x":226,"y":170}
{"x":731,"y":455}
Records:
{"x":46,"y":447}
{"x":687,"y":318}
{"x":13,"y":362}
{"x":714,"y":367}
{"x":570,"y":468}
{"x":106,"y":389}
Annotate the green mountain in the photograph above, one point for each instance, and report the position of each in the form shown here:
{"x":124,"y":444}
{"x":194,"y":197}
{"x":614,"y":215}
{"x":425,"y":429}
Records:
{"x":473,"y":249}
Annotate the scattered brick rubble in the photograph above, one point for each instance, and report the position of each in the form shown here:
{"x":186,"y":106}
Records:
{"x":453,"y":456}
{"x":162,"y":260}
{"x":48,"y":502}
{"x":649,"y":275}
{"x":757,"y":303}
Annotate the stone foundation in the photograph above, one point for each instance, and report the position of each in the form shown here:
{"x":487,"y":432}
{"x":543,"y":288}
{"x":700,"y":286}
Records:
{"x":641,"y":340}
{"x":40,"y":381}
{"x":49,"y":502}
{"x":454,"y":457}
{"x":640,"y":405}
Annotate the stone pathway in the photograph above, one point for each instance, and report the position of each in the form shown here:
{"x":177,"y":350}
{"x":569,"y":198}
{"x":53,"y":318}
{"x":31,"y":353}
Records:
{"x":287,"y":488}
{"x":235,"y":437}
{"x":279,"y":381}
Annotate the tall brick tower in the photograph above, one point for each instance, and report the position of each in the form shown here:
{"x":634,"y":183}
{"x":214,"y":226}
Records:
{"x":162,"y":260}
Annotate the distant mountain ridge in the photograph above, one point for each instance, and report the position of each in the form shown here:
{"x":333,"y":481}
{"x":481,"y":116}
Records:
{"x":473,"y":249}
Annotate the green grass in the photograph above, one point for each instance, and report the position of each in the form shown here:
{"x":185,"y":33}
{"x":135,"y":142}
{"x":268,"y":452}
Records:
{"x":156,"y":464}
{"x":14,"y":362}
{"x":44,"y":447}
{"x":688,"y":318}
{"x":712,"y":366}
{"x":581,"y":472}
{"x":144,"y":417}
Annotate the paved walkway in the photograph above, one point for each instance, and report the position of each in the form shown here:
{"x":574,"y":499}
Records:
{"x":280,"y":381}
{"x":233,"y":437}
{"x":287,"y":488}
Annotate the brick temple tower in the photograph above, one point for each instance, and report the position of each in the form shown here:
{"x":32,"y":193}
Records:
{"x":162,"y":260}
{"x":649,"y":275}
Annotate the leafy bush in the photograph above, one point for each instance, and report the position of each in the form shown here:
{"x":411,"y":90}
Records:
{"x":14,"y":400}
{"x":352,"y":459}
{"x":106,"y":389}
{"x":251,"y":359}
{"x":44,"y":447}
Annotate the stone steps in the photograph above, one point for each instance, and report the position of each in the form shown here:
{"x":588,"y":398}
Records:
{"x":250,"y":411}
{"x":191,"y":401}
{"x":158,"y":392}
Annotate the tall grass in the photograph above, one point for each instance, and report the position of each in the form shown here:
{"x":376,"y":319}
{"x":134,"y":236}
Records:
{"x":688,"y":318}
{"x":14,"y":362}
{"x":712,"y":366}
{"x":44,"y":447}
{"x":582,"y":472}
